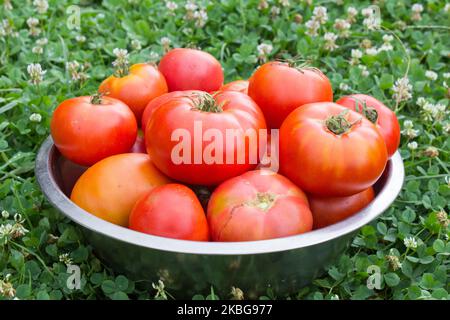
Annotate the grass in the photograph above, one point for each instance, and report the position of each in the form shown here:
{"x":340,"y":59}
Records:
{"x":409,"y":243}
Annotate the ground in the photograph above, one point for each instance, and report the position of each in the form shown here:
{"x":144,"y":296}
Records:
{"x":397,"y":51}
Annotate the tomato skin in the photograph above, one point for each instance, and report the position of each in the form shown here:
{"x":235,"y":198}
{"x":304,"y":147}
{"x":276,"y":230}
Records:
{"x":240,"y":208}
{"x":143,"y":83}
{"x":327,"y":164}
{"x":191,"y":69}
{"x":86,"y":133}
{"x":158,"y":101}
{"x":330,"y":210}
{"x":240,"y":113}
{"x":171,"y":211}
{"x":237,"y":85}
{"x":278,"y":89}
{"x":110,"y":188}
{"x":387,"y":122}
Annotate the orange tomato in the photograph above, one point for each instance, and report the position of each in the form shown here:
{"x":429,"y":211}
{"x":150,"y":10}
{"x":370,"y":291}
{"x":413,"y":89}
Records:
{"x":110,"y":188}
{"x":143,"y":83}
{"x":237,"y":85}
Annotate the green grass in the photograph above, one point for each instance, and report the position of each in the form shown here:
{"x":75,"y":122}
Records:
{"x":32,"y":266}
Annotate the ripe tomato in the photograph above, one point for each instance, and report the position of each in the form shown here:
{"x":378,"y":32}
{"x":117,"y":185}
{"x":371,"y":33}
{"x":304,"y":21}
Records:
{"x":374,"y":110}
{"x":155,"y":103}
{"x":142,"y":84}
{"x":110,"y":188}
{"x":190,"y":69}
{"x":88,"y":129}
{"x":238,"y":85}
{"x":329,"y":150}
{"x":258,"y":205}
{"x":171,"y":211}
{"x":189,"y":138}
{"x":279,"y":88}
{"x":329,"y":210}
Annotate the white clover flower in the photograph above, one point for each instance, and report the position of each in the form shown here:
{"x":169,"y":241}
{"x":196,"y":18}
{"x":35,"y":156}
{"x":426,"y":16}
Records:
{"x":447,"y":8}
{"x":76,"y":71}
{"x":42,"y":42}
{"x":80,"y":38}
{"x":343,"y":86}
{"x":190,"y":6}
{"x":201,"y":17}
{"x":413,"y":146}
{"x":408,"y":124}
{"x":5,"y":214}
{"x":372,"y":23}
{"x":37,"y":50}
{"x":402,"y":89}
{"x":410,"y":242}
{"x":121,"y":62}
{"x":284,"y":3}
{"x":320,"y":14}
{"x":417,"y":7}
{"x":171,"y":6}
{"x":64,"y":258}
{"x":364,"y":71}
{"x":431,"y":75}
{"x":165,"y":42}
{"x":372,"y":51}
{"x":330,"y":41}
{"x":154,"y":56}
{"x":312,"y":27}
{"x":7,"y":5}
{"x":6,"y":288}
{"x":352,"y":11}
{"x":41,"y":6}
{"x":388,"y":38}
{"x":343,"y":27}
{"x":35,"y":117}
{"x":136,"y":44}
{"x":446,"y":75}
{"x":421,"y":101}
{"x":33,"y":26}
{"x":263,"y":4}
{"x":356,"y":53}
{"x":36,"y":73}
{"x":264,"y":49}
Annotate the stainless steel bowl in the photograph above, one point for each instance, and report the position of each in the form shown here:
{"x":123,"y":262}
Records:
{"x":189,"y":267}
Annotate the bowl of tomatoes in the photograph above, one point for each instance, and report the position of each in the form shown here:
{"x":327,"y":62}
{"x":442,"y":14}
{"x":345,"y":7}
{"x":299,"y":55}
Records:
{"x":174,"y":176}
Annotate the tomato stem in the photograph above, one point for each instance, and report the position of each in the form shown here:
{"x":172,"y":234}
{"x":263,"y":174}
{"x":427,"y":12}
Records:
{"x":368,"y":112}
{"x":205,"y":102}
{"x":339,"y":124}
{"x":97,"y":98}
{"x":263,"y":201}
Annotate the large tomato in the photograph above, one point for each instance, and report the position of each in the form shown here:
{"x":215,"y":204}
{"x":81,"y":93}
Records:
{"x":203,"y":139}
{"x":171,"y":211}
{"x":142,"y":84}
{"x":155,"y":103}
{"x":279,"y":88}
{"x":329,"y":150}
{"x":258,"y":205}
{"x":88,"y":129}
{"x":110,"y":188}
{"x":237,"y":85}
{"x":374,"y":110}
{"x":190,"y":69}
{"x":329,"y":210}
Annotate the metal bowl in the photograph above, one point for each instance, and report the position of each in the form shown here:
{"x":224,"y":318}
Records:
{"x":189,"y":267}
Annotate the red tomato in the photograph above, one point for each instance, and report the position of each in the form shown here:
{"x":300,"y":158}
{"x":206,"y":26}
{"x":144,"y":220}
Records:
{"x":238,"y":85}
{"x":329,"y":210}
{"x":110,"y":188}
{"x":329,"y":150}
{"x":143,"y":83}
{"x":171,"y":211}
{"x":258,"y":205}
{"x":187,"y":137}
{"x":88,"y":129}
{"x":278,"y":89}
{"x":190,"y":69}
{"x":155,"y":103}
{"x":374,"y":110}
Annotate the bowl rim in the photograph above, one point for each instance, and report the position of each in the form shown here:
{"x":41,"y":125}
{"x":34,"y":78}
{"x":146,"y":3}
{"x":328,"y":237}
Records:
{"x":384,"y":198}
